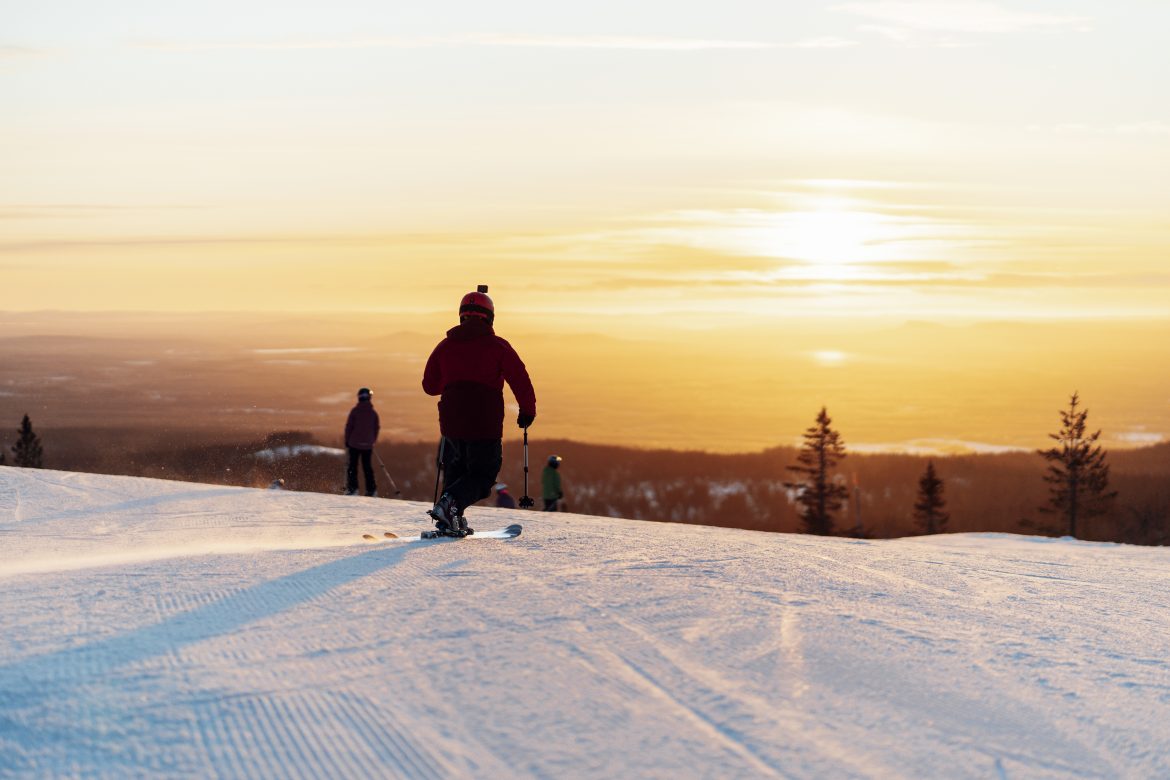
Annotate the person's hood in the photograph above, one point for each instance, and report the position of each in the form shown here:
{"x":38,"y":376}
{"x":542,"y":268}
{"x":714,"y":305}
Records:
{"x":471,"y":328}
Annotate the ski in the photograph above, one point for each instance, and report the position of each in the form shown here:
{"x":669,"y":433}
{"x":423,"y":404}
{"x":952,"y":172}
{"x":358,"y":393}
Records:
{"x":510,"y":532}
{"x":457,"y":534}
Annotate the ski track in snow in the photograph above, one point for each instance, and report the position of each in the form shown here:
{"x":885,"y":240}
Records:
{"x":166,"y":629}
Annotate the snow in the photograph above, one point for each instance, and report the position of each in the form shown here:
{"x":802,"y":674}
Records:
{"x":167,"y":629}
{"x":294,"y":450}
{"x":939,"y":447}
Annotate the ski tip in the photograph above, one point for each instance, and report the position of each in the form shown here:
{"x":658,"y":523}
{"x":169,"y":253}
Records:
{"x":514,"y":530}
{"x":368,"y":536}
{"x":389,"y":535}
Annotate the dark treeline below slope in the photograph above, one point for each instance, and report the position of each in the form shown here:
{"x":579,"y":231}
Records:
{"x":1000,"y":493}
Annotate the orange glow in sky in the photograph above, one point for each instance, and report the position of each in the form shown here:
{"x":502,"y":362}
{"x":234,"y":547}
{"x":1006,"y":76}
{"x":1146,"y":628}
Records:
{"x":695,"y":177}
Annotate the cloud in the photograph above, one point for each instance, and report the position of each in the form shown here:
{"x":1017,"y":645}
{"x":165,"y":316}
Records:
{"x":601,"y":42}
{"x":1151,"y":128}
{"x":10,"y":52}
{"x":937,"y":447}
{"x":821,"y":230}
{"x":911,"y":38}
{"x":850,"y":244}
{"x":673,"y":265}
{"x":613,"y":42}
{"x":23,"y":211}
{"x":1088,"y":280}
{"x":932,"y":23}
{"x":853,"y":185}
{"x":938,"y":268}
{"x":61,"y":244}
{"x":1140,"y":437}
{"x":824,"y":42}
{"x":1143,"y":128}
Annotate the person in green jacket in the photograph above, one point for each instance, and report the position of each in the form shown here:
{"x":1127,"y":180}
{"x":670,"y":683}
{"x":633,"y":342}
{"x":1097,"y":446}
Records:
{"x":550,"y":483}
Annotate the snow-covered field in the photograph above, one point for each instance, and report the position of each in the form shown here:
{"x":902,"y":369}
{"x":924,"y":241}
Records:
{"x":168,"y":629}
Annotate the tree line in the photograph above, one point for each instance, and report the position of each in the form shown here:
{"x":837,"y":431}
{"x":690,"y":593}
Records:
{"x":1077,"y":478}
{"x":27,"y":452}
{"x":784,"y":489}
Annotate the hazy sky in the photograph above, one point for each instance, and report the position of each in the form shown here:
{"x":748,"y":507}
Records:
{"x":731,"y":162}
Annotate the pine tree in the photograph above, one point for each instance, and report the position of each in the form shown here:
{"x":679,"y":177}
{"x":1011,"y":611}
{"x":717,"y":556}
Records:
{"x":817,"y":495}
{"x":930,"y":508}
{"x":1077,"y":473}
{"x":27,"y":450}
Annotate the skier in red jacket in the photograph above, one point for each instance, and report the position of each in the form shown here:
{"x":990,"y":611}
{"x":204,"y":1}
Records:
{"x":468,"y":370}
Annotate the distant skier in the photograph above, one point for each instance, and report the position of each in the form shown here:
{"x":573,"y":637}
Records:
{"x":504,"y":499}
{"x":550,"y":484}
{"x":361,"y":433}
{"x":468,"y":370}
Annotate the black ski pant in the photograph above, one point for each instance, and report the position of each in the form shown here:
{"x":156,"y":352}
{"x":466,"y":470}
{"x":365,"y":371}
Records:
{"x":470,"y":468}
{"x":351,"y":478}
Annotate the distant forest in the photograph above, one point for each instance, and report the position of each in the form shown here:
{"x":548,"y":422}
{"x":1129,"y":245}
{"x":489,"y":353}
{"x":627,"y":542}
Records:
{"x":1001,"y":493}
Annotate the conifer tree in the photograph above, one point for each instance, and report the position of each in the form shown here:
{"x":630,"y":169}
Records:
{"x":930,"y":508}
{"x":27,"y":450}
{"x":1077,"y":475}
{"x":817,"y":495}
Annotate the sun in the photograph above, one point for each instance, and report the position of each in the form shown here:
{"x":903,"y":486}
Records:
{"x":819,"y":239}
{"x":832,"y":232}
{"x":827,"y":235}
{"x":829,"y":358}
{"x":830,"y":236}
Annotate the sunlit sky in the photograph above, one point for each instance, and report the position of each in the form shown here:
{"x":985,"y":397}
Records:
{"x":608,"y":167}
{"x":699,"y":175}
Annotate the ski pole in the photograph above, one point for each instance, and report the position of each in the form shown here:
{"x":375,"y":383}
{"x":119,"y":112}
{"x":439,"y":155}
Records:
{"x":438,"y":468}
{"x":394,"y":485}
{"x":525,"y":501}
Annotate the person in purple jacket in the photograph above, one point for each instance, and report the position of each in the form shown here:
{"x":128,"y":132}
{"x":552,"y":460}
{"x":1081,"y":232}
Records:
{"x":361,"y":433}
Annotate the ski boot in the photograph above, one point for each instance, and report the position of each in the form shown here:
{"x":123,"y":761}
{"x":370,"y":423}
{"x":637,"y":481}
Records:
{"x":461,"y":528}
{"x":446,"y":516}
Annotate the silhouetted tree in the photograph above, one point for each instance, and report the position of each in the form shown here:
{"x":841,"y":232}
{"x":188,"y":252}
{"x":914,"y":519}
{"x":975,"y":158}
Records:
{"x":1077,"y":475}
{"x":1150,"y":524}
{"x":27,"y":451}
{"x":930,"y":508}
{"x":817,"y":495}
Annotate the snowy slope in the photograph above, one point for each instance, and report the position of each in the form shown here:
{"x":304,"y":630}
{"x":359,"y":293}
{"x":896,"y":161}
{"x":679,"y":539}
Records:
{"x":170,"y":629}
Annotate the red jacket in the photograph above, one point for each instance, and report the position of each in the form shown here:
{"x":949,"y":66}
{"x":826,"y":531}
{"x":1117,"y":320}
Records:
{"x":468,"y":370}
{"x":361,"y":429}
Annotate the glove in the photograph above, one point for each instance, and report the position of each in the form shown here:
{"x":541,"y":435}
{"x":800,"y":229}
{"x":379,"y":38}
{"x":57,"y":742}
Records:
{"x":524,"y":420}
